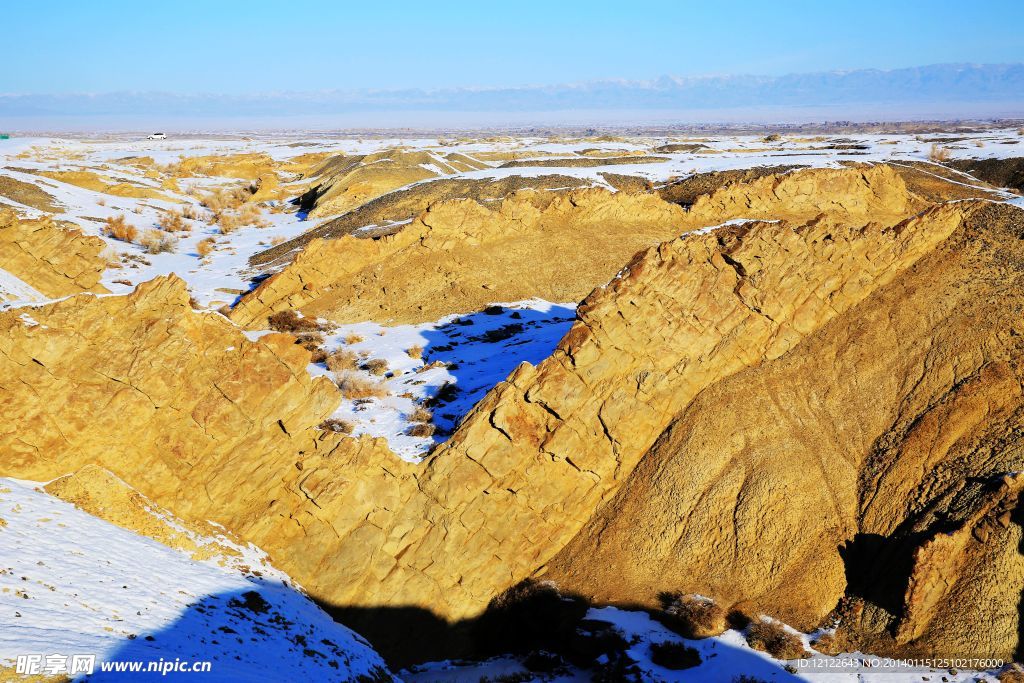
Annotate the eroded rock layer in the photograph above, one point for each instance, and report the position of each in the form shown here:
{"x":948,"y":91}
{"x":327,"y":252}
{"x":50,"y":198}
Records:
{"x":52,"y":259}
{"x":460,"y":255}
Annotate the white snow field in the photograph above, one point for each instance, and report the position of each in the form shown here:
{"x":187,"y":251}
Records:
{"x":73,"y":584}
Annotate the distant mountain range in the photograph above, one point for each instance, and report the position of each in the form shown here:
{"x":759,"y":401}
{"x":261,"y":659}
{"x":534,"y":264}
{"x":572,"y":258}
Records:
{"x":985,"y":87}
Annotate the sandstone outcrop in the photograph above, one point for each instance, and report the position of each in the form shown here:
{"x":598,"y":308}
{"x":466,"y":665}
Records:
{"x":345,"y":182}
{"x":54,"y":260}
{"x":460,"y":255}
{"x":876,"y":459}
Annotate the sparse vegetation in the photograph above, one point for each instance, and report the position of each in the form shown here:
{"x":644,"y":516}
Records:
{"x":674,"y":656}
{"x":119,"y":229}
{"x":376,"y":366}
{"x":353,"y":339}
{"x":415,"y":351}
{"x":205,"y":247}
{"x":354,"y":386}
{"x":156,"y":242}
{"x":334,"y":424}
{"x":421,"y":415}
{"x":938,"y":154}
{"x":342,"y":360}
{"x":773,"y":638}
{"x":692,"y":616}
{"x":421,"y":429}
{"x":774,"y":137}
{"x":290,"y":321}
{"x":175,"y":222}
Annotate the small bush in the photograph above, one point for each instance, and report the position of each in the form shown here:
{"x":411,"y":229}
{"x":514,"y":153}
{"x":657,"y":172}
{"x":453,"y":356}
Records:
{"x":117,"y":228}
{"x":353,"y":339}
{"x":421,"y":415}
{"x":354,"y":386}
{"x":289,"y":321}
{"x":377,"y":366}
{"x":692,"y":616}
{"x":415,"y":351}
{"x":333,"y":424}
{"x":674,"y":656}
{"x":938,"y":154}
{"x":205,"y":247}
{"x":342,"y":360}
{"x":421,"y":429}
{"x":774,"y":137}
{"x":156,"y":242}
{"x":174,"y":222}
{"x":190,"y":213}
{"x":772,"y":638}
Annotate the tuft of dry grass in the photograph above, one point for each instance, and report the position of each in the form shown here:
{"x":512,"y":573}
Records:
{"x":421,"y":415}
{"x":355,"y":386}
{"x":772,"y":638}
{"x":276,"y":240}
{"x":289,"y":321}
{"x":175,"y":222}
{"x":692,"y":616}
{"x":190,"y":213}
{"x":342,"y":360}
{"x":333,"y":424}
{"x":421,"y":429}
{"x":117,"y":228}
{"x":101,"y":201}
{"x":938,"y":154}
{"x":205,"y":247}
{"x":353,"y":339}
{"x":376,"y":366}
{"x":156,"y":242}
{"x":415,"y":351}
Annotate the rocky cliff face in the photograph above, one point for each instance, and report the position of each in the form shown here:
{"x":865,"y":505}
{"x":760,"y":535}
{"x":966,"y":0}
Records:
{"x":460,"y":255}
{"x":874,"y":459}
{"x":52,"y":259}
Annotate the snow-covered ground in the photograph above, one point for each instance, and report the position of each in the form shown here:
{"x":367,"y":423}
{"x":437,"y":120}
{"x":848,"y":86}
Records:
{"x":72,"y":584}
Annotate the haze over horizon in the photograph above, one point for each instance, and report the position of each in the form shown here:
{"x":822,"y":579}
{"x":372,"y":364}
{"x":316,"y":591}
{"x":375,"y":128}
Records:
{"x":321,"y":64}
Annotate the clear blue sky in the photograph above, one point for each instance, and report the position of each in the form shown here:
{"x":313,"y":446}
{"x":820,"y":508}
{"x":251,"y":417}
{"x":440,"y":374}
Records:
{"x":224,"y":46}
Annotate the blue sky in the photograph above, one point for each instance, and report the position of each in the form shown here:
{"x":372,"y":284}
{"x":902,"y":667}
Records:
{"x":228,"y":47}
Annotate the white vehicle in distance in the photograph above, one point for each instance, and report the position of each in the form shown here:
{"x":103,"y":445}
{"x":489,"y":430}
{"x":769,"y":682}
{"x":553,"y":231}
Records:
{"x":157,"y":136}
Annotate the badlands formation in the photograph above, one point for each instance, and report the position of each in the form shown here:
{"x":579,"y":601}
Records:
{"x":789,"y":393}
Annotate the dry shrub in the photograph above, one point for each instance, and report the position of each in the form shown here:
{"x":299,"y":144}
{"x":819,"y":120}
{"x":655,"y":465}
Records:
{"x":415,"y":351}
{"x":313,"y":342}
{"x":156,"y":242}
{"x":117,"y":228}
{"x":421,"y":415}
{"x":342,"y":360}
{"x":938,"y":154}
{"x":772,"y":638}
{"x":1013,"y":673}
{"x":353,"y":339}
{"x":101,"y":201}
{"x":224,"y":199}
{"x":190,"y":213}
{"x":420,"y":429}
{"x":175,"y":222}
{"x":289,"y":321}
{"x":250,"y":215}
{"x":355,"y":386}
{"x":377,"y":366}
{"x":276,"y":240}
{"x":137,"y":210}
{"x":333,"y":424}
{"x":692,"y":616}
{"x":227,"y":223}
{"x":774,"y":137}
{"x":205,"y":247}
